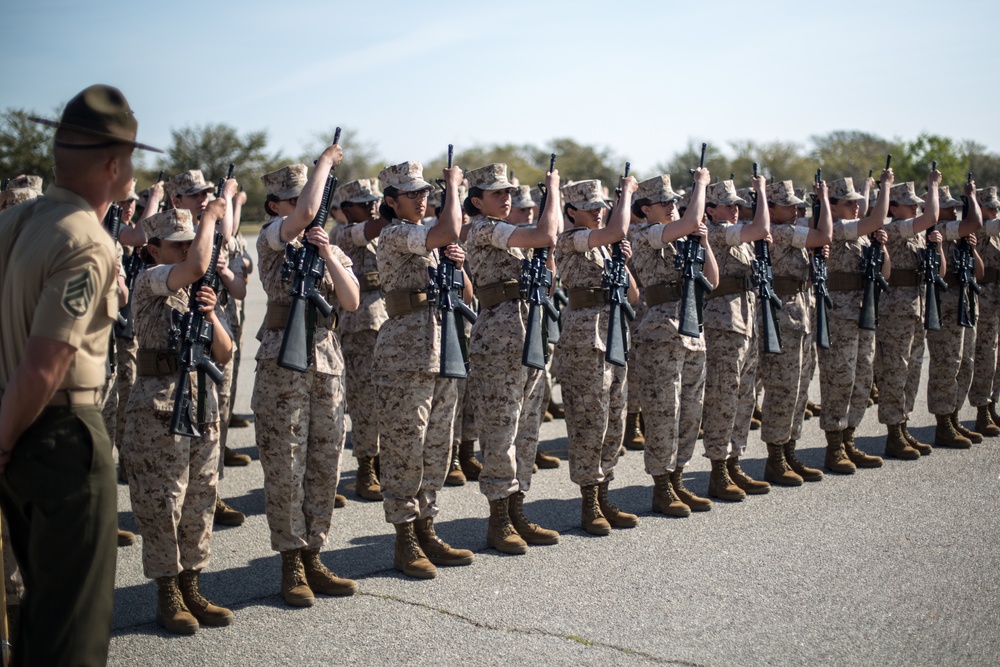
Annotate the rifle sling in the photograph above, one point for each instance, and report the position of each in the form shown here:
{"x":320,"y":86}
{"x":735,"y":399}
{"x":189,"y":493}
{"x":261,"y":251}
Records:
{"x":788,"y":286}
{"x":497,"y":293}
{"x":731,"y":285}
{"x":156,"y":363}
{"x":587,"y":297}
{"x":403,"y":302}
{"x":276,"y":317}
{"x":664,"y":293}
{"x":840,"y":281}
{"x":369,"y":282}
{"x":905,"y":278}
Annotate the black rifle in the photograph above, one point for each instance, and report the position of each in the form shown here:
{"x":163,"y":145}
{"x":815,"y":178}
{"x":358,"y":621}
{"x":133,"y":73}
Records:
{"x":191,"y":335}
{"x":763,"y":280}
{"x":5,"y":184}
{"x":217,"y":285}
{"x":445,"y":290}
{"x":163,"y":202}
{"x":930,"y":265}
{"x":875,"y":282}
{"x":113,"y":223}
{"x":536,"y":279}
{"x":297,"y":342}
{"x":690,"y":260}
{"x":553,"y":327}
{"x":615,"y":283}
{"x":965,"y":271}
{"x":818,"y":276}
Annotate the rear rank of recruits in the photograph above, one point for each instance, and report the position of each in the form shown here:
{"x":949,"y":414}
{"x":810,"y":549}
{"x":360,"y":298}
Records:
{"x":379,"y":353}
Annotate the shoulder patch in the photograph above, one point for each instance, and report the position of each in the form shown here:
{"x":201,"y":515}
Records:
{"x":77,"y":294}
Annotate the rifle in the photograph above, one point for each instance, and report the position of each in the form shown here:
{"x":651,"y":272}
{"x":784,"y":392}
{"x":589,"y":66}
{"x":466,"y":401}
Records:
{"x":553,"y":327}
{"x":217,"y":284}
{"x":113,"y":223}
{"x":690,"y":260}
{"x":818,"y":276}
{"x":191,"y":336}
{"x":445,"y":290}
{"x":965,"y":271}
{"x":875,"y":282}
{"x":5,"y":184}
{"x":763,"y":280}
{"x":930,"y":265}
{"x":536,"y":279}
{"x":615,"y":283}
{"x":296,"y":352}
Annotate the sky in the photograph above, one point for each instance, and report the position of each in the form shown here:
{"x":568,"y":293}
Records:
{"x":643,"y":78}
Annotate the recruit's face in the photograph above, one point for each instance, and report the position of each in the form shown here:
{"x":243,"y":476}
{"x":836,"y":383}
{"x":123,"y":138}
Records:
{"x":782,"y":214}
{"x":521,"y":216}
{"x":196,"y":203}
{"x":409,"y":206}
{"x":494,"y":203}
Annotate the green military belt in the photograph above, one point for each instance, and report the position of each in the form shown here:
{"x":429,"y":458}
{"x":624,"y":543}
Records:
{"x":403,"y":302}
{"x":497,"y":293}
{"x":156,"y":363}
{"x":731,"y":285}
{"x":990,"y":276}
{"x":838,"y":281}
{"x":788,"y":286}
{"x":587,"y":297}
{"x":663,"y":293}
{"x":369,"y":282}
{"x":905,"y":278}
{"x":276,"y":317}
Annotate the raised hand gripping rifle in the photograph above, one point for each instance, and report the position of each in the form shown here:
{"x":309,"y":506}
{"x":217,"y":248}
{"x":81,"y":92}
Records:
{"x":304,"y":268}
{"x":818,"y":275}
{"x":965,"y":271}
{"x":763,"y":280}
{"x":875,"y":282}
{"x":615,"y":282}
{"x":536,"y":279}
{"x":445,"y":290}
{"x":930,"y":266}
{"x":690,"y":261}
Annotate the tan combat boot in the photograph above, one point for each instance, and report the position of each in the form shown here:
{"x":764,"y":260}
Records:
{"x":777,"y":471}
{"x":409,"y":558}
{"x":946,"y":436}
{"x":973,"y":436}
{"x":530,"y":532}
{"x":615,"y":516}
{"x":756,"y":417}
{"x":897,"y":446}
{"x":203,"y":610}
{"x":233,"y":459}
{"x":546,"y":461}
{"x":985,"y":423}
{"x":802,"y":470}
{"x":634,"y":439}
{"x":993,"y":413}
{"x":696,"y":503}
{"x":339,"y":501}
{"x":437,"y":550}
{"x":321,"y":580}
{"x":294,"y":587}
{"x":590,"y":514}
{"x":922,"y":448}
{"x":471,"y":466}
{"x":750,"y":485}
{"x":721,"y":486}
{"x":367,"y":485}
{"x":171,"y":613}
{"x":814,"y":408}
{"x":226,"y":515}
{"x":500,"y":531}
{"x":836,"y":458}
{"x":858,"y":457}
{"x":126,"y":538}
{"x":556,"y":410}
{"x":455,"y":475}
{"x":665,"y":500}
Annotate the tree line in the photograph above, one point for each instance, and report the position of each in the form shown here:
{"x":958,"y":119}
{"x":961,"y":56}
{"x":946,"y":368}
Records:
{"x":25,"y":147}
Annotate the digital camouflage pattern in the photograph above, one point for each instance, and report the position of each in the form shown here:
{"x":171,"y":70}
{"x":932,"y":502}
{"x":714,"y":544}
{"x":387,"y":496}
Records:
{"x":490,"y":177}
{"x":985,"y":380}
{"x":656,"y":189}
{"x":405,"y":177}
{"x":904,"y":193}
{"x":584,"y":195}
{"x":782,"y":193}
{"x":724,"y":193}
{"x":731,"y":362}
{"x":733,"y":312}
{"x":189,"y":182}
{"x":842,"y":189}
{"x":174,"y":224}
{"x":286,"y":182}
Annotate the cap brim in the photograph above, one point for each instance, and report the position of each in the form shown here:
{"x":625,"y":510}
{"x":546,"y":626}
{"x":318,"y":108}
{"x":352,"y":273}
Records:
{"x":498,"y":185}
{"x":178,"y":236}
{"x":415,"y":186}
{"x":365,"y":199}
{"x":102,"y":135}
{"x":591,"y":205}
{"x":287,"y":193}
{"x":204,"y":188}
{"x":790,"y":201}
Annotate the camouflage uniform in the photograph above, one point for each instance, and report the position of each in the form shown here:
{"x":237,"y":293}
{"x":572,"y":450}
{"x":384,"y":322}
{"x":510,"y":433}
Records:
{"x":671,"y":378}
{"x":416,"y":405}
{"x":985,"y":381}
{"x":233,"y":319}
{"x":507,"y":395}
{"x":595,"y":392}
{"x":172,"y":480}
{"x":299,"y":416}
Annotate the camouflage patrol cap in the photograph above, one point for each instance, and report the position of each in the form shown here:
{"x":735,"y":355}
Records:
{"x":189,"y":182}
{"x":490,"y":177}
{"x":744,"y":194}
{"x":584,"y":195}
{"x":522,"y":197}
{"x":361,"y":191}
{"x":463,"y":191}
{"x":806,"y":197}
{"x":22,"y":181}
{"x":988,"y":197}
{"x":842,"y":189}
{"x":782,"y":193}
{"x":143,"y":200}
{"x":173,"y":225}
{"x":872,"y":197}
{"x":536,"y":196}
{"x":132,"y":196}
{"x":724,"y":193}
{"x":14,"y":196}
{"x":945,"y":199}
{"x":656,"y":190}
{"x":286,"y":182}
{"x":434,"y":199}
{"x":904,"y":194}
{"x":405,"y":177}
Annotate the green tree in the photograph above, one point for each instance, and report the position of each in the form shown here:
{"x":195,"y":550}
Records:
{"x":852,"y":153}
{"x":25,"y":146}
{"x":680,"y":165}
{"x":922,"y":152}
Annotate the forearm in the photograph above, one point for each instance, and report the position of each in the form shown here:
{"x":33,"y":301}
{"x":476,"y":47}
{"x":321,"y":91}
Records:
{"x":235,"y":285}
{"x":222,"y":344}
{"x":344,"y":285}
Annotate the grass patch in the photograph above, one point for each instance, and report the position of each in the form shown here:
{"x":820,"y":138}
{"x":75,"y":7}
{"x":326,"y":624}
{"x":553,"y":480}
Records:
{"x":580,"y":640}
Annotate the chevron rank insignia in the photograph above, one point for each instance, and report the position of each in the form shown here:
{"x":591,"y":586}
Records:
{"x":77,"y":294}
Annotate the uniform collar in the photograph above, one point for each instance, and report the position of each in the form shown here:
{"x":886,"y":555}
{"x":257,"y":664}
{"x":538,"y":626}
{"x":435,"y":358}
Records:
{"x":64,"y":196}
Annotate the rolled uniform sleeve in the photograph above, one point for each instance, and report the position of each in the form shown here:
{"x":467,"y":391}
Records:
{"x":501,"y":235}
{"x":79,"y":294}
{"x":158,"y":279}
{"x":416,"y":240}
{"x":846,"y":231}
{"x":799,"y":236}
{"x":272,"y":235}
{"x":357,"y":235}
{"x":581,"y":241}
{"x":734,"y":234}
{"x":950,"y":230}
{"x":654,"y":236}
{"x":992,"y":227}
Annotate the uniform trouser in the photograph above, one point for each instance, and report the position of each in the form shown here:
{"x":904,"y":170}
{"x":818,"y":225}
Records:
{"x":127,"y":349}
{"x":845,"y":374}
{"x":464,"y":428}
{"x":951,"y":353}
{"x":237,"y":357}
{"x":225,"y":393}
{"x":985,"y":387}
{"x":671,"y":382}
{"x":172,"y":483}
{"x":359,"y":349}
{"x":786,"y":387}
{"x":300,"y":436}
{"x":595,"y":400}
{"x":109,"y":407}
{"x":899,"y":354}
{"x":730,"y":363}
{"x":508,"y":406}
{"x":415,"y":419}
{"x":632,"y":374}
{"x":58,"y":497}
{"x":550,"y":376}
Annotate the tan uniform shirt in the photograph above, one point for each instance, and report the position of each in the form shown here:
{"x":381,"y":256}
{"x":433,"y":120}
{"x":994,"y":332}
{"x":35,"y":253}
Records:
{"x":734,"y":312}
{"x":582,"y":267}
{"x":904,"y":247}
{"x":789,"y":259}
{"x":371,"y":314}
{"x":847,"y":252}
